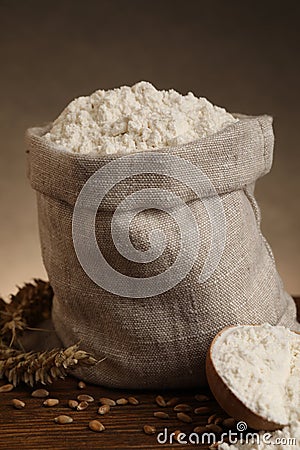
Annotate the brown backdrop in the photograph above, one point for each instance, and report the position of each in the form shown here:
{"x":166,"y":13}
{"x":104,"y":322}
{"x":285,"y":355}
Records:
{"x":244,"y":56}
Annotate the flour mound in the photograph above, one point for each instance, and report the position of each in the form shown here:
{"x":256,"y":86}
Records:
{"x":134,"y":119}
{"x":261,"y":366}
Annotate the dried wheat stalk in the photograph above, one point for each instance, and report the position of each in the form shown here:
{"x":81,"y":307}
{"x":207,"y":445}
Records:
{"x":31,"y":305}
{"x":41,"y":367}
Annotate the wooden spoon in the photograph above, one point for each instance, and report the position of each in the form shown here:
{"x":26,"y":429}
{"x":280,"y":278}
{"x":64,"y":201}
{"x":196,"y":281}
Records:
{"x":231,"y":404}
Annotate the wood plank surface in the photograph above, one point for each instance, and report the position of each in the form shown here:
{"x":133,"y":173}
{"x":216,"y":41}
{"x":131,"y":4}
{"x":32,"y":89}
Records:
{"x":34,"y":428}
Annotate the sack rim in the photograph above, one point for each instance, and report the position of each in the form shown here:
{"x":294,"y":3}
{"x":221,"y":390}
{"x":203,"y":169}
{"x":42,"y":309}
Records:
{"x":38,"y":132}
{"x":231,"y":159}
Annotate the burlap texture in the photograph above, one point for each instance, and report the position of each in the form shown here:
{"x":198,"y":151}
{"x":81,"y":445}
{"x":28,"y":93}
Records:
{"x":161,"y":341}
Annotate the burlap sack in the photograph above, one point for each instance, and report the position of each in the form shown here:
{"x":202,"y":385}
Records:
{"x":160,"y":341}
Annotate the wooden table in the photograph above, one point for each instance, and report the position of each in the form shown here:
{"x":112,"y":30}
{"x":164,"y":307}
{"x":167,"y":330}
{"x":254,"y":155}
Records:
{"x":33,"y":427}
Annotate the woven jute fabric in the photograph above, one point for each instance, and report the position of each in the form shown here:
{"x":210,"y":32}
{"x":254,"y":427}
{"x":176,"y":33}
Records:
{"x":160,"y":341}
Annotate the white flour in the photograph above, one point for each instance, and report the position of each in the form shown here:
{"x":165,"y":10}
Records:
{"x":261,"y":366}
{"x":286,"y":439}
{"x":133,"y":119}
